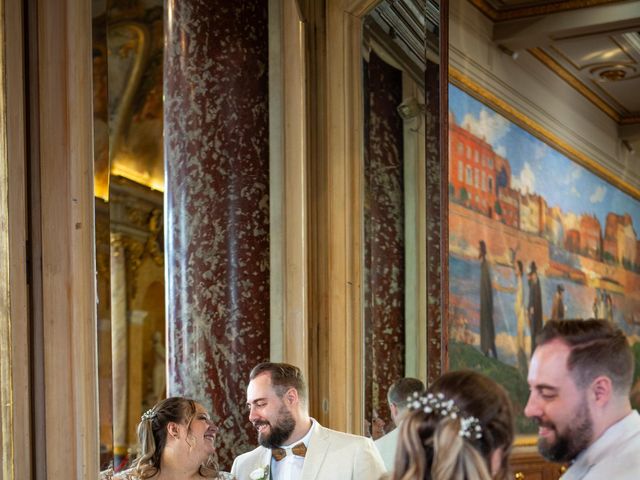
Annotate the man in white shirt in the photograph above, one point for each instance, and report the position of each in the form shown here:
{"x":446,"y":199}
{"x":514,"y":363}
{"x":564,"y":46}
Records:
{"x":294,"y":446}
{"x":397,"y":397}
{"x":580,"y":378}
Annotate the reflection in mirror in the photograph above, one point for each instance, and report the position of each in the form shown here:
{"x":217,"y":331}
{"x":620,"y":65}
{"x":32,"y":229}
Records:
{"x":394,"y":205}
{"x":102,"y":227}
{"x":128,"y":53}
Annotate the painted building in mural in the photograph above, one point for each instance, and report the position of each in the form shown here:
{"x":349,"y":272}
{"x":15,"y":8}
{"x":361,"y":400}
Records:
{"x":480,"y":179}
{"x":472,"y":167}
{"x":620,"y":239}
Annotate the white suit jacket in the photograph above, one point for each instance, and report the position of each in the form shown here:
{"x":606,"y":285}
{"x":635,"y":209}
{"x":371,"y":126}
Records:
{"x":614,"y":455}
{"x":330,"y":455}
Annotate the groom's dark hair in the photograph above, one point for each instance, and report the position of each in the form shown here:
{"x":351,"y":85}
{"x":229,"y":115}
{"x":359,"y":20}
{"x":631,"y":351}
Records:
{"x":283,"y":377}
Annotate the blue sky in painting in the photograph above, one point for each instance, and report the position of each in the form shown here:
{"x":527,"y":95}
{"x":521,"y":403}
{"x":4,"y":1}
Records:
{"x":536,"y":167}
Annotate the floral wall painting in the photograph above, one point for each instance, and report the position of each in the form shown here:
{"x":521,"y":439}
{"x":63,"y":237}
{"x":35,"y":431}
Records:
{"x":533,"y":235}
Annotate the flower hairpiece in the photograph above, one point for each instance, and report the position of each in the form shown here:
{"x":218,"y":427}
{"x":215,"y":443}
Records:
{"x":440,"y":406}
{"x":149,"y":415}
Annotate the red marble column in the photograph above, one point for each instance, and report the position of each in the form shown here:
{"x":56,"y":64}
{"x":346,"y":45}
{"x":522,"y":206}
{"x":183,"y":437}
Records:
{"x":217,"y":206}
{"x":437,"y":178}
{"x":384,"y":236}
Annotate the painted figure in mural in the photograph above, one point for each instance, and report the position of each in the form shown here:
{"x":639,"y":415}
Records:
{"x":177,"y":440}
{"x":557,"y":307}
{"x":580,"y":378}
{"x":462,"y":427}
{"x":597,"y":310}
{"x":292,"y":444}
{"x":521,"y":320}
{"x":535,"y":304}
{"x":608,"y":306}
{"x":397,"y":396}
{"x":487,"y":328}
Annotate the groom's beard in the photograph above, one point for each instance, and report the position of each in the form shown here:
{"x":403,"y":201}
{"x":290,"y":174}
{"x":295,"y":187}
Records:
{"x":279,"y":432}
{"x":569,"y":443}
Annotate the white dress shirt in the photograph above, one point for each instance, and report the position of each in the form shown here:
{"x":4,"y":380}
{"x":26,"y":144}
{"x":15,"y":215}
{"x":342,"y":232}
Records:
{"x":290,"y":467}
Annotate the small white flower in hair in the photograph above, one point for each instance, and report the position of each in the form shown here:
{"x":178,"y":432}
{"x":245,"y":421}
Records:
{"x":148,"y":415}
{"x":446,"y":408}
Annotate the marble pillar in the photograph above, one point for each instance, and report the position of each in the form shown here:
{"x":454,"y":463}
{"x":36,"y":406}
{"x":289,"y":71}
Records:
{"x":217,"y":207}
{"x":119,"y":348}
{"x":437,"y":179}
{"x":136,"y":374}
{"x":384,"y":236}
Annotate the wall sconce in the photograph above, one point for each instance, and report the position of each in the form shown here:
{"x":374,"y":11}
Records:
{"x":626,"y":144}
{"x":507,"y":51}
{"x":409,"y":109}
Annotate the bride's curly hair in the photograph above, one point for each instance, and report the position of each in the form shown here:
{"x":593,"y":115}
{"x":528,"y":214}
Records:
{"x":152,"y":435}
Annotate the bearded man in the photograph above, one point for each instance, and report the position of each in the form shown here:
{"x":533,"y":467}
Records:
{"x":579,"y":379}
{"x":294,"y":446}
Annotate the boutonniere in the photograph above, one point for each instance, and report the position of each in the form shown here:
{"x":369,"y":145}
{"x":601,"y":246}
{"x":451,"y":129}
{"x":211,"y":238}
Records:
{"x":261,"y":473}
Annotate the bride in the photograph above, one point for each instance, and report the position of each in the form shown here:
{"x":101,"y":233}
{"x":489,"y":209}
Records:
{"x":176,"y":442}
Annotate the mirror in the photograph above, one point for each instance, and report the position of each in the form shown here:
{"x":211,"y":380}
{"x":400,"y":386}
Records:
{"x":129,"y":173}
{"x":128,"y":63}
{"x":399,"y":38}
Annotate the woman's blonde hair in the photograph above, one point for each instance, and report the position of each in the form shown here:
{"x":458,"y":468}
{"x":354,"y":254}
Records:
{"x":152,"y":435}
{"x":434,"y":446}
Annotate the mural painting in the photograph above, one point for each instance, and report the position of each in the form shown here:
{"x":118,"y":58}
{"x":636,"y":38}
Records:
{"x":533,"y":235}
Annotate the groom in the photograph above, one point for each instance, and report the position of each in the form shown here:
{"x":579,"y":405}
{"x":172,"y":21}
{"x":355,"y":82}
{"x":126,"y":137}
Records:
{"x":294,"y":446}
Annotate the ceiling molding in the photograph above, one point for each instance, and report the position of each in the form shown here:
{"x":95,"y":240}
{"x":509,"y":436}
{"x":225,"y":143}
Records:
{"x":559,"y":70}
{"x":595,"y":50}
{"x":513,"y":13}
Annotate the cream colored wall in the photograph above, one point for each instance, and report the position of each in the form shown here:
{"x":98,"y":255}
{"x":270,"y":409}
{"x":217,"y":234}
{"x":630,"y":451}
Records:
{"x":532,"y":89}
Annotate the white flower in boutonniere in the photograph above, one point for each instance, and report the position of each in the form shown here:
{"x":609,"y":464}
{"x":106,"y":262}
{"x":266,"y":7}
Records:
{"x":261,"y":473}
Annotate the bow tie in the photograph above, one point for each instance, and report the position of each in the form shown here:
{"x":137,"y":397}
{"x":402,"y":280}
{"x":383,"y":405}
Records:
{"x":279,"y":453}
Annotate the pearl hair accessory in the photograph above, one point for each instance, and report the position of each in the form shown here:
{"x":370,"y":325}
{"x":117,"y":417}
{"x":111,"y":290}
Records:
{"x":148,"y":415}
{"x":442,"y":407}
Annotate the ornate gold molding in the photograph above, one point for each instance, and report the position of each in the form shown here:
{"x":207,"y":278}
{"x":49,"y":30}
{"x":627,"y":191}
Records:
{"x":563,"y":73}
{"x":458,"y":79}
{"x":134,"y":252}
{"x":501,"y":15}
{"x":153,"y":247}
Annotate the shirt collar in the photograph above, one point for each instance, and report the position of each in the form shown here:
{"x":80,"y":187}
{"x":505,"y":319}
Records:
{"x":304,"y":439}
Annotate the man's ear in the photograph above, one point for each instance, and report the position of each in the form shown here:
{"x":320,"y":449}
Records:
{"x":291,"y":396}
{"x":393,"y":408}
{"x":602,"y":390}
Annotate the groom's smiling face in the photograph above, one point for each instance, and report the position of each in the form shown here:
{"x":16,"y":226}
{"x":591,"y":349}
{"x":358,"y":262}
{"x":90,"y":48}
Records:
{"x":268,"y":413}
